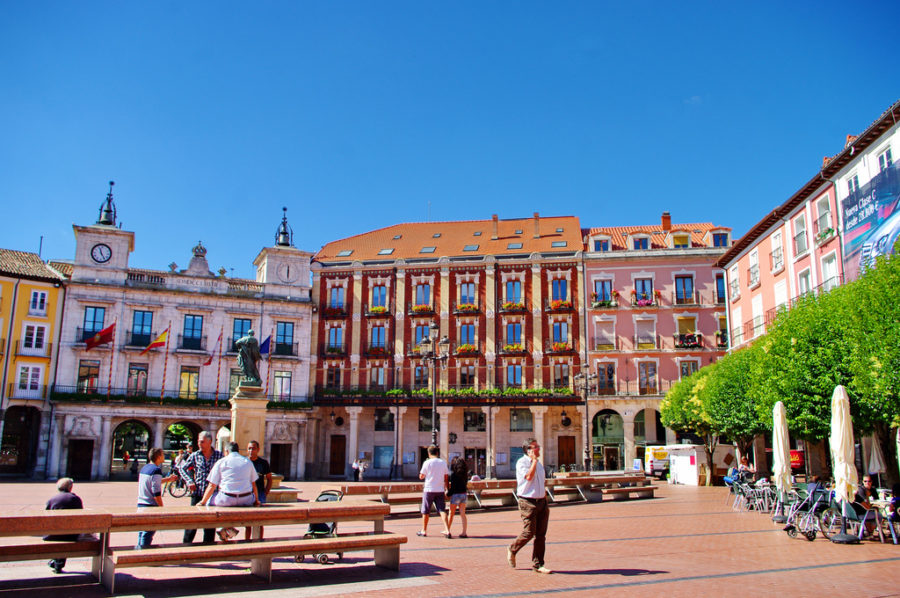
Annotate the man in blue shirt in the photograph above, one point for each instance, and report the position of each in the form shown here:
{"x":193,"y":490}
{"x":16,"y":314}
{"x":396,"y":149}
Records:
{"x":150,"y":481}
{"x":532,"y":507}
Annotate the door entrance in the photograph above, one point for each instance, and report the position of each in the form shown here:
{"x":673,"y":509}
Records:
{"x":81,"y":457}
{"x":280,"y":459}
{"x":476,"y":461}
{"x":338,"y":453}
{"x":566,"y":450}
{"x":611,"y":457}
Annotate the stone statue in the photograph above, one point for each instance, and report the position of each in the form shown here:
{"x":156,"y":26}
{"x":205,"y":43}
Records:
{"x":248,"y":356}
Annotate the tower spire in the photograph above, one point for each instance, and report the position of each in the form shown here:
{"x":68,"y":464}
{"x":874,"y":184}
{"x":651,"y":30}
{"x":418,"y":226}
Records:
{"x":284,"y":237}
{"x":108,"y":208}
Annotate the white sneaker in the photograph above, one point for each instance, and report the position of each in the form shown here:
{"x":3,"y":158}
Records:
{"x":511,"y":558}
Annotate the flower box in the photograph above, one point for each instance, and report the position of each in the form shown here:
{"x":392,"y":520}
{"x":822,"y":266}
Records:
{"x":514,"y":348}
{"x":466,"y":308}
{"x":422,"y":309}
{"x":466,"y":349}
{"x":560,"y":304}
{"x":512,"y":306}
{"x":378,"y":309}
{"x":333,"y":312}
{"x":560,"y":347}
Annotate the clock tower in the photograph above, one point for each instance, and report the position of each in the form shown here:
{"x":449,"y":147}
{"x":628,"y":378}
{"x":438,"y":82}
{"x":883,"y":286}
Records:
{"x":284,"y":269}
{"x":101,"y":249}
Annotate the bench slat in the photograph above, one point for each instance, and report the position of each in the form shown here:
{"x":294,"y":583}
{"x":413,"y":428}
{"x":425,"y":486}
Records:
{"x":43,"y":550}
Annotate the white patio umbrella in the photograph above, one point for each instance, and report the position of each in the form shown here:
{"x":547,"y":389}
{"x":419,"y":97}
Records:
{"x":781,"y":455}
{"x":876,"y":459}
{"x":841,"y":440}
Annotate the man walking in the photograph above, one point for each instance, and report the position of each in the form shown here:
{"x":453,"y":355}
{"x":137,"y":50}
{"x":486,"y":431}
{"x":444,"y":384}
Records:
{"x":437,"y":481}
{"x":150,"y":481}
{"x":532,"y":507}
{"x":202,"y":462}
{"x":65,"y":499}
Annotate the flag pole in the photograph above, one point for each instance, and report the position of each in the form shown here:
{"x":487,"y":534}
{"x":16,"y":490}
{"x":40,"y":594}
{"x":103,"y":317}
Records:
{"x":219,"y":362}
{"x":162,"y":391}
{"x":112,"y":355}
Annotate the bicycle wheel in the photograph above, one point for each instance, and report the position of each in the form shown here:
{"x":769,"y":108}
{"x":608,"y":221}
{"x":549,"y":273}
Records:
{"x":830,"y":522}
{"x":176,"y":490}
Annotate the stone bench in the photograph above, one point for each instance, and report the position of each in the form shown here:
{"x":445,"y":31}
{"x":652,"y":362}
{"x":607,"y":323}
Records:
{"x":626,"y":492}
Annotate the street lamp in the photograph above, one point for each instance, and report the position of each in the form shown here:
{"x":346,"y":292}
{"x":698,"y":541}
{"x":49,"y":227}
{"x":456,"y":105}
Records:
{"x":585,"y":379}
{"x":435,"y":351}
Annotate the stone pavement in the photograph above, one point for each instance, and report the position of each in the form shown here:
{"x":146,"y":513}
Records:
{"x":686,"y":542}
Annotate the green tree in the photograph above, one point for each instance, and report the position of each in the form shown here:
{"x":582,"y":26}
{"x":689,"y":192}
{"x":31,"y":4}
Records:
{"x":684,"y":409}
{"x":730,"y":401}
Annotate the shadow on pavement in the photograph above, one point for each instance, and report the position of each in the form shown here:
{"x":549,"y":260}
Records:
{"x":623,"y":572}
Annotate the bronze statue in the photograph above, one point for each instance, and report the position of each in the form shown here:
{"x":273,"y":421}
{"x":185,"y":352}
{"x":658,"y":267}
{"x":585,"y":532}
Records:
{"x":248,"y":356}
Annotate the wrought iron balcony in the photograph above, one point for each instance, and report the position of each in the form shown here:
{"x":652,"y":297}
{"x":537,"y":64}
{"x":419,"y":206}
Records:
{"x":23,"y":348}
{"x":423,"y":309}
{"x":462,"y":309}
{"x":643,"y":342}
{"x":284,"y":349}
{"x":513,"y":307}
{"x":377,"y":311}
{"x":336,"y":311}
{"x":512,"y":349}
{"x":558,"y":305}
{"x":686,"y":298}
{"x":191,"y":343}
{"x":688,"y":341}
{"x":138,"y":339}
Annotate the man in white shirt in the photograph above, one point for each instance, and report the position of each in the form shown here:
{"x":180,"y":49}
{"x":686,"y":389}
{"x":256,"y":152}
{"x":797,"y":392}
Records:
{"x":532,"y":507}
{"x":437,"y":481}
{"x":232,"y":481}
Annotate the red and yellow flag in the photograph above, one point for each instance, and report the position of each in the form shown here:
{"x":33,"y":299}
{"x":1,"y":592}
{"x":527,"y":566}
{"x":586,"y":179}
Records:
{"x":160,"y":341}
{"x":101,"y":338}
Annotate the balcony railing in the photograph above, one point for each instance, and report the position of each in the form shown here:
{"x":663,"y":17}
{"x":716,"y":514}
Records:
{"x":776,"y":259}
{"x":513,"y":307}
{"x":735,"y":287}
{"x":800,"y":244}
{"x":43,"y":351}
{"x":37,"y":311}
{"x":420,"y":395}
{"x":721,"y":340}
{"x":646,"y":341}
{"x":334,"y":311}
{"x":420,"y":309}
{"x":465,"y":349}
{"x":378,"y":350}
{"x":753,"y":275}
{"x":29,"y":392}
{"x":377,"y":311}
{"x":688,"y":341}
{"x":606,"y":343}
{"x":512,"y":349}
{"x":81,"y":335}
{"x":598,"y":303}
{"x":558,"y":305}
{"x":191,"y":343}
{"x":334,"y":349}
{"x":151,"y":396}
{"x":558,"y":347}
{"x":682,"y":298}
{"x":461,"y":309}
{"x":645,"y":299}
{"x":284,"y":349}
{"x":823,"y":224}
{"x":138,"y":339}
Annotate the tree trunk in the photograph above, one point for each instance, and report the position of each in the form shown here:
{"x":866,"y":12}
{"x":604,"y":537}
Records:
{"x":709,"y":445}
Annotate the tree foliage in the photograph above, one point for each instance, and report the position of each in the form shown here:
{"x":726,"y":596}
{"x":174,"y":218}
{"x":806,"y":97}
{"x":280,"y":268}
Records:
{"x":730,"y":402}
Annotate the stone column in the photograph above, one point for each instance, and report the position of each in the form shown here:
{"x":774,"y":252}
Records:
{"x":444,"y":438}
{"x":159,"y":433}
{"x":56,"y":432}
{"x":537,"y":324}
{"x":628,"y":427}
{"x":670,"y":437}
{"x":356,"y":334}
{"x":490,"y":303}
{"x":539,"y":435}
{"x":650,"y":426}
{"x":248,"y":415}
{"x":353,"y":437}
{"x":399,"y":412}
{"x":299,"y":469}
{"x":443,"y":313}
{"x":105,"y":444}
{"x":491,"y":442}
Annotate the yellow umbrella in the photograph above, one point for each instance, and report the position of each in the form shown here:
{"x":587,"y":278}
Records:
{"x":841,"y":440}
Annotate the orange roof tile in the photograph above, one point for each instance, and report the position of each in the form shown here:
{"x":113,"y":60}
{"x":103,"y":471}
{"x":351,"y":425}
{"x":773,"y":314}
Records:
{"x":64,"y":268}
{"x":619,"y":234}
{"x":450,"y":239}
{"x":25,"y":264}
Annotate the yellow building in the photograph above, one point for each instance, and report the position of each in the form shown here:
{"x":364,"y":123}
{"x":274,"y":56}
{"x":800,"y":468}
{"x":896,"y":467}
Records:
{"x":31,"y":302}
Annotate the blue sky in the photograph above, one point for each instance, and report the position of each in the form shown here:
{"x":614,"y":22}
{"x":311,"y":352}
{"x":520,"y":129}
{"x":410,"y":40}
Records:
{"x":211,"y":116}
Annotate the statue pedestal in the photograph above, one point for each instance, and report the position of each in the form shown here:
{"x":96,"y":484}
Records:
{"x":248,"y":416}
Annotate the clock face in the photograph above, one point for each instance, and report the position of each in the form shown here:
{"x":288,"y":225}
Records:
{"x":287,"y":273}
{"x":101,"y":253}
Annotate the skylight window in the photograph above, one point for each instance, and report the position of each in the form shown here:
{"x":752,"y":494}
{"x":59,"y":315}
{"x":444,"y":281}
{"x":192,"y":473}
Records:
{"x":427,"y":250}
{"x":470,"y":248}
{"x":477,"y":233}
{"x":386,"y":251}
{"x":436,"y":236}
{"x":514,"y":246}
{"x":559,"y":230}
{"x":558,"y":244}
{"x":345,"y":253}
{"x":398,"y":237}
{"x":518,"y":231}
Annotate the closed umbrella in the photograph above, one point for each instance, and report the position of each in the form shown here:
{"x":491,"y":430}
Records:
{"x":841,"y":440}
{"x":876,"y":459}
{"x":781,"y":455}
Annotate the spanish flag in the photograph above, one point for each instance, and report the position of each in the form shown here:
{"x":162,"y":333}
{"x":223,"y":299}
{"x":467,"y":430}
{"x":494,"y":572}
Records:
{"x":159,"y":342}
{"x":101,"y":338}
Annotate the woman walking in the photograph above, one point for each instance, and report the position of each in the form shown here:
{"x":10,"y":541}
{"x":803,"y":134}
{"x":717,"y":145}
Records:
{"x":459,"y":477}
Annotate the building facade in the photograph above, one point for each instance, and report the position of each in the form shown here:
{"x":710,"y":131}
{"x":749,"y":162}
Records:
{"x":31,"y":307}
{"x":655,"y":314}
{"x":146,"y":355}
{"x":505,"y":298}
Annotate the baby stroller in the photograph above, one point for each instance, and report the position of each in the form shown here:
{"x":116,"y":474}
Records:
{"x":323,"y":530}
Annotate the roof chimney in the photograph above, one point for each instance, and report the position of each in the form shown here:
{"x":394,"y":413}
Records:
{"x":494,"y":235}
{"x":850,"y":140}
{"x":537,"y":225}
{"x":666,"y":221}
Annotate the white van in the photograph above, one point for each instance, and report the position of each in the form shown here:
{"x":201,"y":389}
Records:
{"x":656,"y":461}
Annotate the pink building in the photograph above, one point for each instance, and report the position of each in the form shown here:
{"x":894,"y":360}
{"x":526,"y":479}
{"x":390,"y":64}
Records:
{"x":655,"y":312}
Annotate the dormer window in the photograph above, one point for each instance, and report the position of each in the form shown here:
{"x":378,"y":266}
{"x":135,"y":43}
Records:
{"x":720,"y":239}
{"x":641,"y":243}
{"x":681,"y":241}
{"x":601,"y":244}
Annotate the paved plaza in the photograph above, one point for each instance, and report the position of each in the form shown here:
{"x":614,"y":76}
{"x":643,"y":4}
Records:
{"x":686,"y":542}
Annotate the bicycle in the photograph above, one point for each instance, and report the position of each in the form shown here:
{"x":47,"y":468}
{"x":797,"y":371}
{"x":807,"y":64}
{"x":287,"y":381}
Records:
{"x":177,"y":489}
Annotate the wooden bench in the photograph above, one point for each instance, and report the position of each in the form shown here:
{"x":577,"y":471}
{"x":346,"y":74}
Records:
{"x":592,"y":487}
{"x":27,"y":524}
{"x":400,"y":493}
{"x":626,"y":492}
{"x":385,"y":545}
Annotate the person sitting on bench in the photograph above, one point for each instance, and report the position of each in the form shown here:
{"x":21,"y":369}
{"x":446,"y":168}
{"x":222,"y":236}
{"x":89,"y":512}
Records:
{"x":65,"y":499}
{"x":231,"y":483}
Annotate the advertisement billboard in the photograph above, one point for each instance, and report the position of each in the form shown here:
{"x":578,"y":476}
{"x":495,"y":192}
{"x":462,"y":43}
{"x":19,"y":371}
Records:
{"x":871,"y":217}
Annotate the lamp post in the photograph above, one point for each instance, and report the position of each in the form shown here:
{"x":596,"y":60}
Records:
{"x":585,"y":379}
{"x":436,"y":352}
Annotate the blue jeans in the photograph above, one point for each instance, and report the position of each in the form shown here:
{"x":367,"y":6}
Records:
{"x":145,"y":539}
